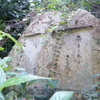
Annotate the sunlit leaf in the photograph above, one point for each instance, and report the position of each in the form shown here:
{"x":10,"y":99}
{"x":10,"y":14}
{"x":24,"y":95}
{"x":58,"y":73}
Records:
{"x":62,"y":95}
{"x":20,"y":79}
{"x":6,"y":68}
{"x":1,"y":48}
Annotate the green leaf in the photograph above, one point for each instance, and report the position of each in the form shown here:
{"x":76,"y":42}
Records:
{"x":20,"y":79}
{"x":1,"y":65}
{"x":1,"y":48}
{"x":62,"y":95}
{"x":31,"y":82}
{"x":6,"y":68}
{"x":8,"y":35}
{"x":22,"y":86}
{"x":2,"y":77}
{"x":4,"y":60}
{"x":52,"y":83}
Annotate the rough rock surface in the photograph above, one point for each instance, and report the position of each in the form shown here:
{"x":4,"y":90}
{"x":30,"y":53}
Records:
{"x":68,"y":52}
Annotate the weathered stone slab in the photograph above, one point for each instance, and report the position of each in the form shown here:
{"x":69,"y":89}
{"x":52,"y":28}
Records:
{"x":67,"y":52}
{"x":69,"y":59}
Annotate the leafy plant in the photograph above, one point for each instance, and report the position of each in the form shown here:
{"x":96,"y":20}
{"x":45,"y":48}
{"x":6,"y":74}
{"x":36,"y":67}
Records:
{"x":16,"y":80}
{"x":52,"y":83}
{"x":23,"y":87}
{"x":62,"y":95}
{"x":47,"y":5}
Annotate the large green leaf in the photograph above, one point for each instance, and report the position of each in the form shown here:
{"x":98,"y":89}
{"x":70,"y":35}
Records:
{"x":20,"y":79}
{"x":62,"y":95}
{"x":2,"y":77}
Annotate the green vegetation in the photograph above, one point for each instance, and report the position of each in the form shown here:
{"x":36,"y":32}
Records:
{"x":4,"y":82}
{"x":11,"y":14}
{"x":13,"y":9}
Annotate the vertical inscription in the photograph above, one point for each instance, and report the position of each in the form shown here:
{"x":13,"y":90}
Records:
{"x":67,"y":64}
{"x":78,"y":38}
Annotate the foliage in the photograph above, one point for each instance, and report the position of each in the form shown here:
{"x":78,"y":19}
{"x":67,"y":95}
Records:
{"x":67,"y":5}
{"x":62,"y":95}
{"x":47,"y":5}
{"x":3,"y":63}
{"x":14,"y":77}
{"x":16,"y":80}
{"x":51,"y":86}
{"x":93,"y":93}
{"x":2,"y":25}
{"x":11,"y":14}
{"x":11,"y":9}
{"x":23,"y":87}
{"x":3,"y":77}
{"x":52,"y":83}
